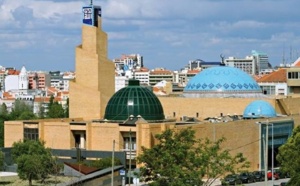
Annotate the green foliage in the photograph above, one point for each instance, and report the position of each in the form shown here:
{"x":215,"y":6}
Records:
{"x":3,"y":110}
{"x":3,"y":117}
{"x":104,"y":163}
{"x":1,"y":132}
{"x":55,"y":109}
{"x":288,"y":157}
{"x":1,"y":160}
{"x":180,"y":159}
{"x":21,"y":111}
{"x":41,"y":113}
{"x":67,"y":109}
{"x":33,"y":159}
{"x":27,"y":115}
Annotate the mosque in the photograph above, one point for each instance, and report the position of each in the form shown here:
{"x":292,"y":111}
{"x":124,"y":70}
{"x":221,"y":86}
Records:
{"x":217,"y":102}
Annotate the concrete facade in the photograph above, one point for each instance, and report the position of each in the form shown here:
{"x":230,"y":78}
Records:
{"x":241,"y":136}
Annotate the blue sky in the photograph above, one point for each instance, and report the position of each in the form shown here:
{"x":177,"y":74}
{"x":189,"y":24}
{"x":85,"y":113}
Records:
{"x":42,"y":34}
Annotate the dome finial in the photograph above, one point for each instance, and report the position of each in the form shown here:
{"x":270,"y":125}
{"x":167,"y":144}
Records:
{"x":222,"y":59}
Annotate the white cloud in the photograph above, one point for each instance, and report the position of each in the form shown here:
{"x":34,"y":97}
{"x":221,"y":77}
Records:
{"x":174,"y":29}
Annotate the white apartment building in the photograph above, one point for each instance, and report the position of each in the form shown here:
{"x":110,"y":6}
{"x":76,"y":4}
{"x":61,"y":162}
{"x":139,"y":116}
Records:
{"x":120,"y":82}
{"x":252,"y":64}
{"x":142,"y":74}
{"x":18,"y":81}
{"x":66,"y":78}
{"x":159,"y":74}
{"x":2,"y":78}
{"x":128,"y":62}
{"x":60,"y":80}
{"x":247,"y":64}
{"x":182,"y":77}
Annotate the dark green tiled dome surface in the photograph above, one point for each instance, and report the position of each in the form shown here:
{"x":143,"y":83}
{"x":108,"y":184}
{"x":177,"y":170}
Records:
{"x":134,"y":100}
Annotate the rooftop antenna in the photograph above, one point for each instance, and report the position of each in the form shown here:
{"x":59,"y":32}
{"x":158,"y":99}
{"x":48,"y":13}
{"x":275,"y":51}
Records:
{"x":91,"y":2}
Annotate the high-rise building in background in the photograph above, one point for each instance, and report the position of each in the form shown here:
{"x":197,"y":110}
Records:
{"x":262,"y":60}
{"x":254,"y":64}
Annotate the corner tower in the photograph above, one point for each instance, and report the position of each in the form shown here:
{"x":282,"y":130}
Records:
{"x":95,"y":80}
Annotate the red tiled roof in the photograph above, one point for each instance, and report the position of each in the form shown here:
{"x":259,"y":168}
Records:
{"x":297,"y":63}
{"x":143,"y":69}
{"x":193,"y":71}
{"x":13,"y":72}
{"x":82,"y":168}
{"x":276,"y":76}
{"x":42,"y":99}
{"x":7,"y":96}
{"x":161,"y":72}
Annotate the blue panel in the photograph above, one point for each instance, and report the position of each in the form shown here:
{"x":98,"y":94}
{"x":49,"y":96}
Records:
{"x":87,"y":21}
{"x":87,"y":15}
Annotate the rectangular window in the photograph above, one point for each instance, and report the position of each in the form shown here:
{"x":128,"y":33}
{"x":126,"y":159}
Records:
{"x":127,"y":143}
{"x":296,"y":75}
{"x":31,"y":133}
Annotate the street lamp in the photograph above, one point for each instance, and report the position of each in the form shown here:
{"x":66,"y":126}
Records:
{"x":266,"y":151}
{"x":112,"y":164}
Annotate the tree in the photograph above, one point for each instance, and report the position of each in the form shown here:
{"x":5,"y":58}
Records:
{"x":67,"y":109}
{"x":288,"y":157}
{"x":41,"y":113}
{"x":3,"y":110}
{"x":180,"y":159}
{"x":1,"y":160}
{"x":33,"y":159}
{"x":19,"y":108}
{"x":56,"y":111}
{"x":3,"y":117}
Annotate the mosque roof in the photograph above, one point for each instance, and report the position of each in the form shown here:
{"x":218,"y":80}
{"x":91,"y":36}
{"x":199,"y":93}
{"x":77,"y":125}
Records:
{"x":222,"y":81}
{"x":134,"y":100}
{"x":258,"y":109}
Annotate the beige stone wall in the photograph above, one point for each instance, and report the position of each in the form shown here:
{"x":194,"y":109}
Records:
{"x":13,"y":132}
{"x":85,"y":103}
{"x":57,"y":135}
{"x":101,"y":136}
{"x":205,"y":107}
{"x":93,"y":86}
{"x":241,"y":136}
{"x":293,"y":82}
{"x":291,"y":104}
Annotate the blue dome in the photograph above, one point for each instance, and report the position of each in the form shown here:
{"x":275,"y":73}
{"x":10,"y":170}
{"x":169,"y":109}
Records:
{"x":258,"y":109}
{"x":222,"y":81}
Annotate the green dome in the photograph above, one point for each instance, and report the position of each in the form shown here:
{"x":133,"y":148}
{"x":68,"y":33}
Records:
{"x":134,"y":100}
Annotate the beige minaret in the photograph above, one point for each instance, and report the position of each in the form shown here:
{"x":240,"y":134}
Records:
{"x":95,"y":76}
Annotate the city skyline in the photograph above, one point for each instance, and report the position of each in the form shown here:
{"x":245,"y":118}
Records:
{"x":42,"y":35}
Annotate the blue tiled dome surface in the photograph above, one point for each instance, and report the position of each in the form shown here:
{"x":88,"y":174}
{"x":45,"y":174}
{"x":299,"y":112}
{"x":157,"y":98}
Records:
{"x":222,"y":79}
{"x":259,"y":108}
